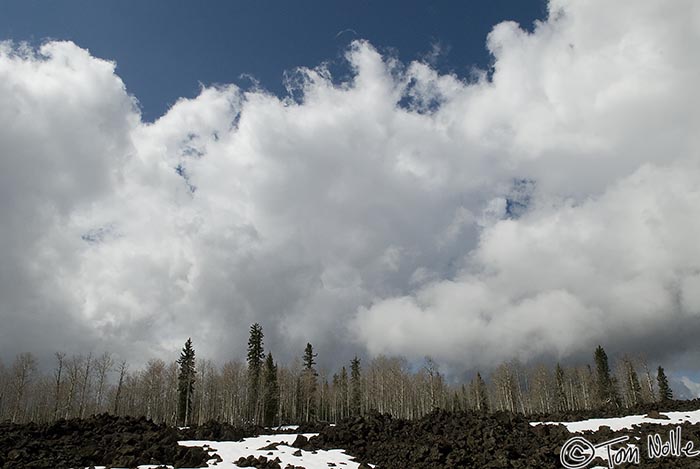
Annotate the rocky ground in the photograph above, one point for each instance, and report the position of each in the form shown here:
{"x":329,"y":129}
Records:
{"x":610,"y":412}
{"x":440,"y":440}
{"x":99,"y":440}
{"x":444,"y":440}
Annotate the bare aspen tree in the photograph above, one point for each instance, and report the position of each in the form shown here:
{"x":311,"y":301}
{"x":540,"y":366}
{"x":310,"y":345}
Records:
{"x":324,"y":398}
{"x":208,"y":392}
{"x":540,"y":396}
{"x":85,"y":385}
{"x":435,"y":381}
{"x":480,"y":392}
{"x":3,"y":390}
{"x":73,"y":368}
{"x":522,"y":386}
{"x":632,"y":389}
{"x":118,"y":394}
{"x":22,"y":372}
{"x":506,"y":387}
{"x":57,"y":374}
{"x":103,"y":366}
{"x":648,"y":389}
{"x":234,"y":396}
{"x":290,"y":384}
{"x":153,"y":389}
{"x":586,"y":384}
{"x":170,"y":394}
{"x":563,"y":404}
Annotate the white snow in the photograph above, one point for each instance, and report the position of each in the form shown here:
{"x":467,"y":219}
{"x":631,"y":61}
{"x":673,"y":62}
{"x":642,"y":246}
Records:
{"x":230,"y":451}
{"x":619,"y":423}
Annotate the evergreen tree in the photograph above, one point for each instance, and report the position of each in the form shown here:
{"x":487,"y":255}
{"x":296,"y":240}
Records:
{"x":272,"y":391}
{"x":255,"y":357}
{"x":309,"y":358}
{"x":355,"y":387}
{"x":185,"y":383}
{"x":665,"y":393}
{"x":606,"y":389}
{"x":309,"y":383}
{"x":562,"y":404}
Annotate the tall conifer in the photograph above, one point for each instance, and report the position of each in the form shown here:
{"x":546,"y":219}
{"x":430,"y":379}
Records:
{"x":255,"y":357}
{"x":185,"y":383}
{"x":665,"y":393}
{"x":272,"y":391}
{"x":355,"y":387}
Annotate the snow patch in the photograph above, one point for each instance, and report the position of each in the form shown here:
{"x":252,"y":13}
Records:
{"x":620,"y":423}
{"x":231,"y":451}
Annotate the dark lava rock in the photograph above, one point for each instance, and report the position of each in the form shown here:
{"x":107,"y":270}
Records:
{"x":260,"y":462}
{"x":609,"y":412}
{"x":451,"y":440}
{"x":446,"y":440}
{"x":272,"y":446}
{"x":301,"y":442}
{"x":102,"y":440}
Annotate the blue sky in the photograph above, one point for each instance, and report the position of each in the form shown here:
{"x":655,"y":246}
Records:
{"x":164,"y":49}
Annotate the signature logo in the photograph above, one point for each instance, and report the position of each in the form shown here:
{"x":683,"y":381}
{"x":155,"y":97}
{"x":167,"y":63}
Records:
{"x":578,"y":452}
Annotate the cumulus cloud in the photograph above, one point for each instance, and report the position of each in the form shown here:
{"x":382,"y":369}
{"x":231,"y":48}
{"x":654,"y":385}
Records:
{"x":545,"y":206}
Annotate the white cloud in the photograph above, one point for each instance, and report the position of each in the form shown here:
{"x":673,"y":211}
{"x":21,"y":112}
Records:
{"x":343,"y":218}
{"x":692,"y":387}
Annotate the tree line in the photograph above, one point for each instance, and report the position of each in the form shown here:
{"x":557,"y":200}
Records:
{"x":260,"y":391}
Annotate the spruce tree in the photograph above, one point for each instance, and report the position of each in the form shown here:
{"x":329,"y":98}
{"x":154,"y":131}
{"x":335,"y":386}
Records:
{"x":309,"y":383}
{"x":255,"y":357}
{"x":272,"y":391}
{"x":665,"y":393}
{"x":606,"y":389}
{"x":309,"y":358}
{"x":185,"y":383}
{"x":355,"y":387}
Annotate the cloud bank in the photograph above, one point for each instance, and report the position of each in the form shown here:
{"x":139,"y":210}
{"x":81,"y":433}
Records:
{"x":536,"y":210}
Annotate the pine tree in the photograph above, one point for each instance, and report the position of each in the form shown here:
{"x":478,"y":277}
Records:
{"x":665,"y":393}
{"x":606,"y":390}
{"x":309,"y":383}
{"x":272,"y":391}
{"x":309,"y":358}
{"x":185,"y":383}
{"x":355,"y":387}
{"x":255,"y":357}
